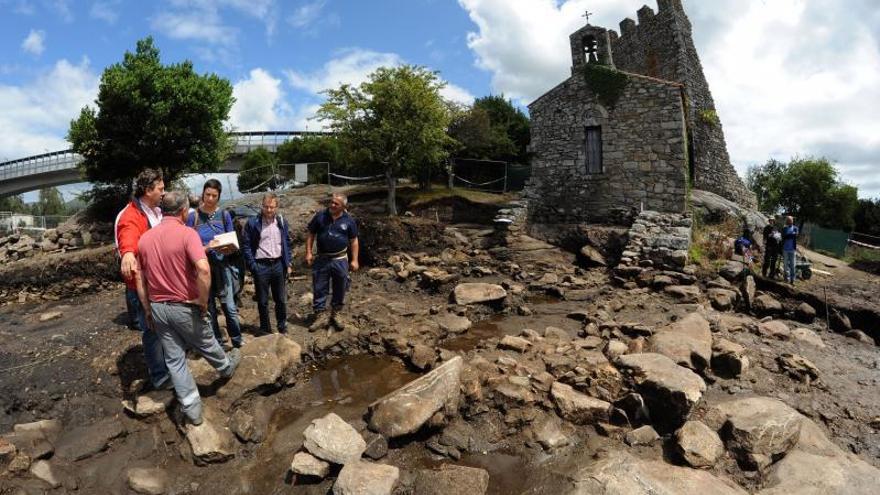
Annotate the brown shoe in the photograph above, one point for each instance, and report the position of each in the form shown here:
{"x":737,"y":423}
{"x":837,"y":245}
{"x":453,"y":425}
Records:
{"x":321,"y":321}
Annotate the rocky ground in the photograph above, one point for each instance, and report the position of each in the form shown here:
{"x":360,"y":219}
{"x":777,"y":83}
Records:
{"x":470,"y":360}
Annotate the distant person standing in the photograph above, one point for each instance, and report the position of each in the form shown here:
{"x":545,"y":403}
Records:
{"x":141,"y":214}
{"x":772,"y":249}
{"x":789,"y":248}
{"x":265,"y":245}
{"x":174,"y":288}
{"x":335,"y":231}
{"x":209,"y":221}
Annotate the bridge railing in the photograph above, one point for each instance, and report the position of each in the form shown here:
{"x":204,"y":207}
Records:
{"x":67,"y":159}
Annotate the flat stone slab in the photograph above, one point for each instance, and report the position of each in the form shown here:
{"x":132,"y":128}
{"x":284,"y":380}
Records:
{"x":405,"y":410}
{"x":263,"y":362}
{"x":43,"y":471}
{"x":619,"y":473}
{"x":577,"y":407}
{"x":148,"y":481}
{"x":688,"y":342}
{"x":453,"y":323}
{"x":366,"y":478}
{"x":670,"y":391}
{"x":308,"y":465}
{"x":477,"y":292}
{"x":451,"y":480}
{"x":332,"y":439}
{"x":84,"y":442}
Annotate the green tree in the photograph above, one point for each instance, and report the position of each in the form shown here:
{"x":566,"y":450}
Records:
{"x":509,"y":120}
{"x":14,"y":204}
{"x":867,"y":217}
{"x":50,"y":202}
{"x":764,"y":181}
{"x":151,"y":115}
{"x":477,"y":137}
{"x":311,"y":149}
{"x":808,"y":188}
{"x":259,"y":172}
{"x":396,"y":118}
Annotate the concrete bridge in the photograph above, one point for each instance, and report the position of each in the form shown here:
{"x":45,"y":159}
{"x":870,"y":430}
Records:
{"x":60,"y":167}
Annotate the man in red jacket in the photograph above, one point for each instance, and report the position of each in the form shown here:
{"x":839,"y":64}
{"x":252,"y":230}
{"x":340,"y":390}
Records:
{"x":142,"y":213}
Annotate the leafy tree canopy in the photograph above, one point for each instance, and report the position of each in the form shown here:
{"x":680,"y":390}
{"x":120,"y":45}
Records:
{"x":50,"y":202}
{"x":14,"y":204}
{"x":396,"y":118}
{"x":259,"y":172}
{"x":493,"y":129}
{"x":867,"y":217}
{"x":807,"y":188}
{"x":152,"y":115}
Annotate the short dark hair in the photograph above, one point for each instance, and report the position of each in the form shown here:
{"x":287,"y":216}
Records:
{"x":173,"y":203}
{"x":213,"y":184}
{"x":145,"y":180}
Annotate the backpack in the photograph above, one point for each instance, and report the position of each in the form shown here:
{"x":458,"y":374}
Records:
{"x":741,"y":244}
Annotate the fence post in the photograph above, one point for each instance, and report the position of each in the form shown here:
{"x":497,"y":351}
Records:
{"x":506,"y":165}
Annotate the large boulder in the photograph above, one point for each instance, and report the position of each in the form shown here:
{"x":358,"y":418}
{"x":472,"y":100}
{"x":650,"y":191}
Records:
{"x":210,"y":442}
{"x":684,"y":293}
{"x":698,"y":445}
{"x":688,"y":342}
{"x":757,"y":429}
{"x":451,"y":479}
{"x":406,"y":409}
{"x":264,"y":362}
{"x":332,"y":439}
{"x":366,"y":478}
{"x":453,"y":323}
{"x":765,"y":304}
{"x":619,"y":473}
{"x":472,"y":293}
{"x":716,"y":209}
{"x":577,"y":407}
{"x":670,"y":391}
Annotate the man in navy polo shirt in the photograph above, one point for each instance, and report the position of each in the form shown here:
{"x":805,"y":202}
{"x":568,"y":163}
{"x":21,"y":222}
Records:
{"x":336,"y":233}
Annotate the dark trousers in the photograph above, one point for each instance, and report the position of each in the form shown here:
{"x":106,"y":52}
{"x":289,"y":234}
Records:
{"x":271,"y":276}
{"x":327,"y":272}
{"x":771,"y":263}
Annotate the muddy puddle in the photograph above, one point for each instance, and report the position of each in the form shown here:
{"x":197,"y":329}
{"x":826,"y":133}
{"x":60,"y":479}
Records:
{"x":345,"y":386}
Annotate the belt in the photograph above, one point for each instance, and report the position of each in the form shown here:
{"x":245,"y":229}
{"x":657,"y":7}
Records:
{"x":175,"y":303}
{"x":267,"y":260}
{"x":336,"y":255}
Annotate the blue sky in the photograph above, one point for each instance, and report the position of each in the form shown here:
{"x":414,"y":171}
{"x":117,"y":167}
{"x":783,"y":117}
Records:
{"x":788,"y":76}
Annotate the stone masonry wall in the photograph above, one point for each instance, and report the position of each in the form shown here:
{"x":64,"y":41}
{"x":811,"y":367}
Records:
{"x":661,"y":45}
{"x":643,"y":148}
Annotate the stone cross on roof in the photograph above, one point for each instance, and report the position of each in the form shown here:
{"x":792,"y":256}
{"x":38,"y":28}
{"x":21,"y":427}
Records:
{"x":587,"y":15}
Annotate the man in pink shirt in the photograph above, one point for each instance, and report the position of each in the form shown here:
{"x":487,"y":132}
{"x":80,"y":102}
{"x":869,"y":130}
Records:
{"x":173,"y":287}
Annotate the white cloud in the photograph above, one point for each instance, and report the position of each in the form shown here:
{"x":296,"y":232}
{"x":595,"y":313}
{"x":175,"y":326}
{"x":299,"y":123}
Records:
{"x":352,"y":67}
{"x":36,"y":114}
{"x":457,"y":94}
{"x":196,"y":25}
{"x":35,"y":43}
{"x":260,"y":103}
{"x":306,"y":14}
{"x":62,"y":9}
{"x":524,"y":44}
{"x":106,"y":10}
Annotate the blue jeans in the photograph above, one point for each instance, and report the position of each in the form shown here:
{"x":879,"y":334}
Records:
{"x":271,"y":276}
{"x":230,"y":311}
{"x":788,"y":265}
{"x":181,"y":327}
{"x":328,"y":271}
{"x":153,"y":354}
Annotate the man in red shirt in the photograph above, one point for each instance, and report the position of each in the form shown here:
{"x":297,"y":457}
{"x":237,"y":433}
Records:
{"x":142,"y":213}
{"x":173,"y":287}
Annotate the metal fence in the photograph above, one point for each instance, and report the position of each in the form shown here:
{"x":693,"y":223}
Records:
{"x":12,"y":222}
{"x":243,"y":142}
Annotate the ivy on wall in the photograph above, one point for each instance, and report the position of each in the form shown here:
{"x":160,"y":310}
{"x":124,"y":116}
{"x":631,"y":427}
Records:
{"x":607,"y":83}
{"x":710,"y":117}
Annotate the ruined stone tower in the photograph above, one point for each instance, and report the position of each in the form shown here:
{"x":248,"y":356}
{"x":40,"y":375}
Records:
{"x":661,"y":46}
{"x":632,"y":128}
